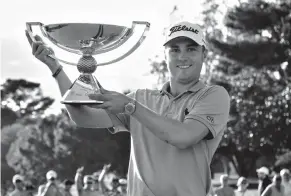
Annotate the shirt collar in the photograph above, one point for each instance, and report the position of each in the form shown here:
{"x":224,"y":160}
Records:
{"x":196,"y":87}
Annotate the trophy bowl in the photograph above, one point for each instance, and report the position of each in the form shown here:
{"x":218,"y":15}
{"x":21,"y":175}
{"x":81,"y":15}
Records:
{"x":87,"y":40}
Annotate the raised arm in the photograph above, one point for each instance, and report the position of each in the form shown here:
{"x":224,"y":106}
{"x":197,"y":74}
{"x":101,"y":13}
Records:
{"x":82,"y":115}
{"x":78,"y":179}
{"x":104,"y":171}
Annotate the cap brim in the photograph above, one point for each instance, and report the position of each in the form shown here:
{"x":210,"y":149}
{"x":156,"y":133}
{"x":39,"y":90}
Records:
{"x":203,"y":43}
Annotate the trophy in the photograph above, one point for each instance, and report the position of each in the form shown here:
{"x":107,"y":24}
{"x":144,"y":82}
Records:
{"x":86,"y":40}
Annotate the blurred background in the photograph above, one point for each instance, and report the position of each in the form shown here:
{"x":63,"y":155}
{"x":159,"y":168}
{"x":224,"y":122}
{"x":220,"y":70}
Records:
{"x":250,"y":55}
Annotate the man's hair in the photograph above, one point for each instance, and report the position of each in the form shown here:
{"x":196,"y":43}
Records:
{"x":68,"y":182}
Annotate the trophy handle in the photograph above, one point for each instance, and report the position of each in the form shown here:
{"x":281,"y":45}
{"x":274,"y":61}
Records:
{"x":30,"y":33}
{"x":141,"y":39}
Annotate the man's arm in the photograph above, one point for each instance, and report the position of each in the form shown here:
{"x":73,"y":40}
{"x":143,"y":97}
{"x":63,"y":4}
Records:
{"x":208,"y":117}
{"x":78,"y":179}
{"x":267,"y":191}
{"x":83,"y":116}
{"x":104,"y":171}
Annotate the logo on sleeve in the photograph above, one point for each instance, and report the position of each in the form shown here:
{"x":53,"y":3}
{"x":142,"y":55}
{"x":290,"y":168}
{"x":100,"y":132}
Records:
{"x":210,"y":118}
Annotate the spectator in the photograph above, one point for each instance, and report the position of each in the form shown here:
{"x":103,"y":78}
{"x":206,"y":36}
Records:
{"x":224,"y":189}
{"x":115,"y":191}
{"x":275,"y":188}
{"x":67,"y":187}
{"x":286,"y":182}
{"x":264,"y":181}
{"x":96,"y":183}
{"x":242,"y":187}
{"x":88,"y":189}
{"x":122,"y":186}
{"x":30,"y":189}
{"x":18,"y":182}
{"x":51,"y":188}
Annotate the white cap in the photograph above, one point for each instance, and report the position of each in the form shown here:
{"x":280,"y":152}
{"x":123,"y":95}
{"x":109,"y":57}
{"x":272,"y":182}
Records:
{"x":263,"y":170}
{"x":240,"y":180}
{"x":17,"y":177}
{"x":284,"y":171}
{"x":122,"y":181}
{"x":88,"y":178}
{"x":186,"y":29}
{"x":51,"y":174}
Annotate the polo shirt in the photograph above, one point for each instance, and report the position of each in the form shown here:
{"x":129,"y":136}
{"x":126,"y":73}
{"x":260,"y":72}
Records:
{"x":156,"y":167}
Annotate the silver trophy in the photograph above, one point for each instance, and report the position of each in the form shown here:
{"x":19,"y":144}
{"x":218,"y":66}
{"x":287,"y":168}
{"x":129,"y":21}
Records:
{"x":86,"y":40}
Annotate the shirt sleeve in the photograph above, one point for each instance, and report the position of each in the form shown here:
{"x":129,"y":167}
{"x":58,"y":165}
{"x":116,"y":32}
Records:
{"x":121,"y":122}
{"x":212,"y":109}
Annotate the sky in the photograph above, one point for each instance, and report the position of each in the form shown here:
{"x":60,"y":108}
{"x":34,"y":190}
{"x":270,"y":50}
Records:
{"x":18,"y":62}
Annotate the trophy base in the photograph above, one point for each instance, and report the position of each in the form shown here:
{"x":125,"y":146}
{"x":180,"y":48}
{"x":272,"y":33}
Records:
{"x":78,"y":93}
{"x":77,"y":102}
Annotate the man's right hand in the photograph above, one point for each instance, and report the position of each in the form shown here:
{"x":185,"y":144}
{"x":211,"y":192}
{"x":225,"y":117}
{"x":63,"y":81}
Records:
{"x":107,"y":167}
{"x":42,"y":52}
{"x":80,"y":169}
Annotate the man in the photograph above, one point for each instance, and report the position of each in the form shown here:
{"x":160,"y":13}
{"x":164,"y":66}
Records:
{"x":88,"y":189}
{"x":264,"y":181}
{"x":276,"y":188}
{"x":51,"y":188}
{"x":66,"y":191}
{"x":174,"y":131}
{"x":224,"y":189}
{"x":18,"y":182}
{"x":242,"y":187}
{"x":286,"y":182}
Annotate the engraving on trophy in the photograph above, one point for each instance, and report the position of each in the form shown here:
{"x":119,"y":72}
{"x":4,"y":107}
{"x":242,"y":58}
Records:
{"x":87,"y":40}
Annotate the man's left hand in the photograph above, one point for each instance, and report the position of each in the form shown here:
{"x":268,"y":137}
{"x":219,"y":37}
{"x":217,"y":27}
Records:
{"x":114,"y":102}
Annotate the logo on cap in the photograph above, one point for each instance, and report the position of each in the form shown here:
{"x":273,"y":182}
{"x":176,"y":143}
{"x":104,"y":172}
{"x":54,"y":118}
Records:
{"x":182,"y":28}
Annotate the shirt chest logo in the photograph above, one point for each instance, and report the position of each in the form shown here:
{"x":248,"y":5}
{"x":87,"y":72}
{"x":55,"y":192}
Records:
{"x":210,"y":119}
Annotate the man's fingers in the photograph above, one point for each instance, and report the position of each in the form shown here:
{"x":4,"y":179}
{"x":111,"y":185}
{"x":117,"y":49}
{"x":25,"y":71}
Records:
{"x":39,"y":50}
{"x":99,"y":97}
{"x":28,"y":38}
{"x":38,"y":38}
{"x":104,"y":105}
{"x":36,"y":46}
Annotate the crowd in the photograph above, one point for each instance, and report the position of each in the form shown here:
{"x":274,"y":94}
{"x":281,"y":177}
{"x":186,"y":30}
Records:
{"x":83,"y":185}
{"x":280,"y":185}
{"x":95,"y":185}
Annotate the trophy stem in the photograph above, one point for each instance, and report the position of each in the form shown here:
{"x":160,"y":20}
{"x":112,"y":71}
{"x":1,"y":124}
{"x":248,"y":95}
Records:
{"x":83,"y":86}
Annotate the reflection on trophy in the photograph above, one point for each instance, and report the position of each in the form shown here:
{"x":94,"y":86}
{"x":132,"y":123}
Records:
{"x":88,"y":39}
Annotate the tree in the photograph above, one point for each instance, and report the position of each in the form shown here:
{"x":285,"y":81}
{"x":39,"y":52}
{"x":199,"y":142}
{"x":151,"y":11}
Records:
{"x":256,"y":71}
{"x":19,"y":99}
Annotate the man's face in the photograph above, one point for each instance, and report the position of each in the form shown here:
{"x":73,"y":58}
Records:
{"x":261,"y":175}
{"x":286,"y":177}
{"x":19,"y":184}
{"x":224,"y":181}
{"x":184,"y":59}
{"x":89,"y":183}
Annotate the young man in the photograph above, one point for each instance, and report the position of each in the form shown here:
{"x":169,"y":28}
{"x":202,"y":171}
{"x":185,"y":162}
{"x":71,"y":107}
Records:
{"x":51,"y":188}
{"x":224,"y":189}
{"x":275,"y":188}
{"x":286,"y":182}
{"x":88,"y":189}
{"x":174,"y":131}
{"x":264,"y":180}
{"x":18,"y":182}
